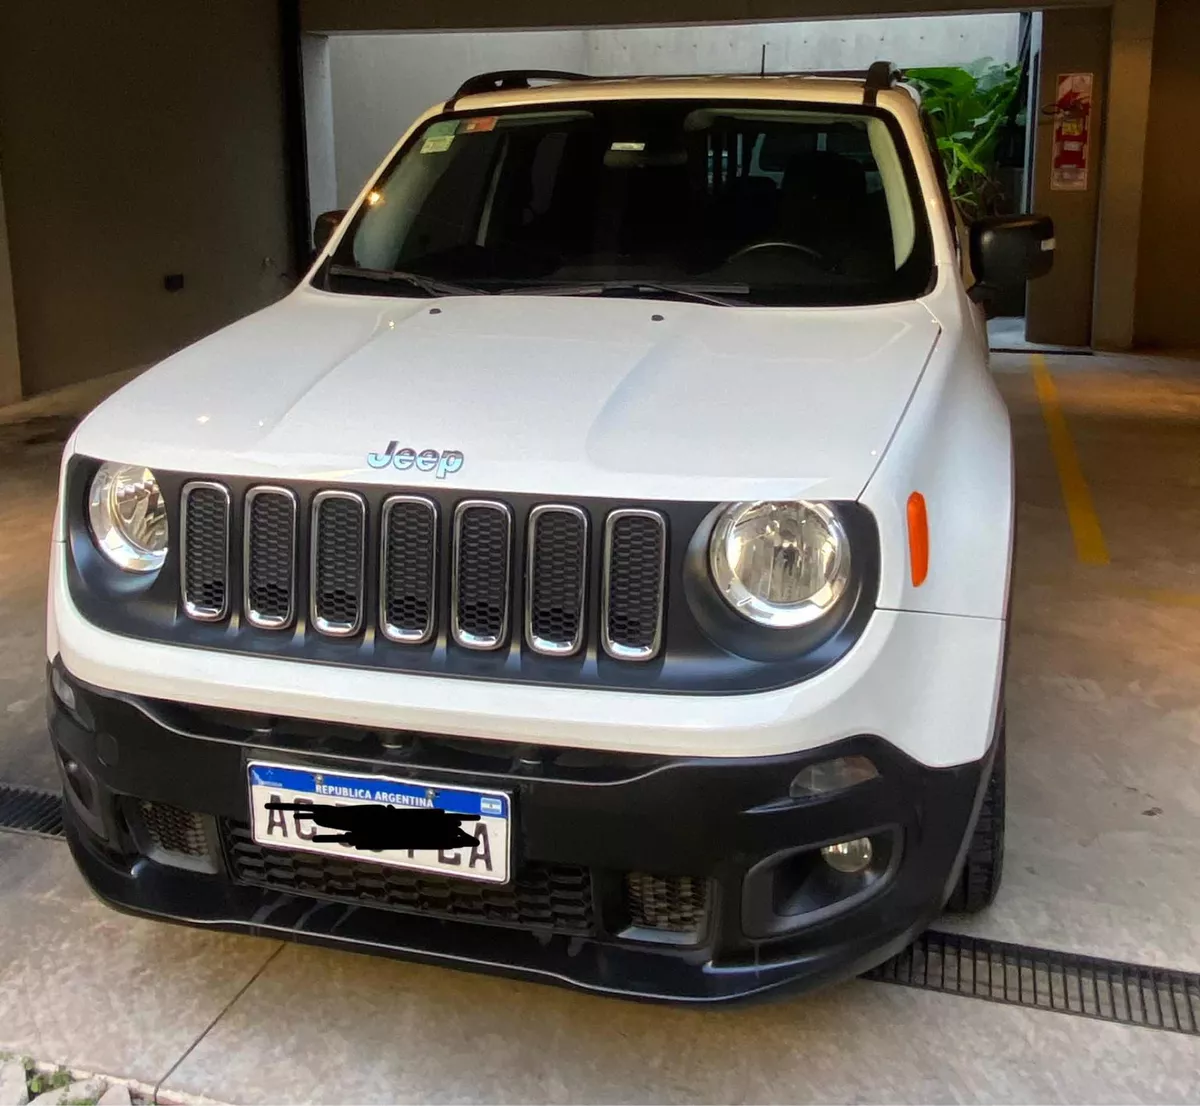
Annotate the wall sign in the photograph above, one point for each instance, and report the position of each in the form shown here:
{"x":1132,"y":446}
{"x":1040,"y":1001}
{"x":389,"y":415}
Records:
{"x":1072,"y":112}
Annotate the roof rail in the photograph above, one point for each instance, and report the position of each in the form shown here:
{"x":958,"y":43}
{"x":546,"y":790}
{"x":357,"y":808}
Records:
{"x":881,"y":75}
{"x":504,"y":79}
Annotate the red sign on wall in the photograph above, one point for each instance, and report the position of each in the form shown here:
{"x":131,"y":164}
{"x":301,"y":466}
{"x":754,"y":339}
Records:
{"x":1072,"y":110}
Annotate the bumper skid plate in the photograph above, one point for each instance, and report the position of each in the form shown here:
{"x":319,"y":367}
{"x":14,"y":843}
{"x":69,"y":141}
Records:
{"x":681,"y":878}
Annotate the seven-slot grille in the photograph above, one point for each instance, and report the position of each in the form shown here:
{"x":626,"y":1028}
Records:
{"x":556,"y":579}
{"x":204,"y":568}
{"x":338,"y":555}
{"x":343,"y":535}
{"x":481,"y":579}
{"x":270,"y":566}
{"x":635,"y":548}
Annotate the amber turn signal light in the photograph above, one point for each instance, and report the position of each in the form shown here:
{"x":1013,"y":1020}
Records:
{"x":918,"y":539}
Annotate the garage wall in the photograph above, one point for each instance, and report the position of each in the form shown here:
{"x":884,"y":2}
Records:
{"x":138,"y":139}
{"x":1168,"y":305}
{"x":380,"y":83}
{"x":825,"y":44}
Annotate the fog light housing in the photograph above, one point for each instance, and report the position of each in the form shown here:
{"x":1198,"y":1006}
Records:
{"x":828,"y":776}
{"x":849,"y":857}
{"x":63,"y":690}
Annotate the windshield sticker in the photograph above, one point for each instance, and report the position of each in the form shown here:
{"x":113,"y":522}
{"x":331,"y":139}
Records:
{"x":478,"y":125}
{"x":438,"y":144}
{"x":446,"y":126}
{"x":628,"y":147}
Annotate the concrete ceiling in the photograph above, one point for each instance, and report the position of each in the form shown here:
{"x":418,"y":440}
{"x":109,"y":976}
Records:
{"x":331,"y":16}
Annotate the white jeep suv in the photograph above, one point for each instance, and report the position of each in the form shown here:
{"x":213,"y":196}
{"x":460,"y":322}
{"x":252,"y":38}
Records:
{"x":597,"y":569}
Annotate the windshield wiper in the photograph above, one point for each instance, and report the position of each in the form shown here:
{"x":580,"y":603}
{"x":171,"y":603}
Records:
{"x":699,"y":293}
{"x":429,"y":285}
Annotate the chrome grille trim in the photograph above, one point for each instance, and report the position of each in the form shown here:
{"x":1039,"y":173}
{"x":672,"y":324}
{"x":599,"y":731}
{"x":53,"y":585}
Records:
{"x":255,"y":618}
{"x":616,"y":649}
{"x":463,"y":637}
{"x":195,"y":610}
{"x":543,"y":645}
{"x":403,"y":635}
{"x":327,"y":626}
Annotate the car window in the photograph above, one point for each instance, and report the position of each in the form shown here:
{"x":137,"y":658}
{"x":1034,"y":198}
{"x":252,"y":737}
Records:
{"x":799,"y":206}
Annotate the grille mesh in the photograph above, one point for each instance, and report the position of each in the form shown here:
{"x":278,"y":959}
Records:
{"x":634,"y":598}
{"x":337,"y":581}
{"x":270,"y":558}
{"x":482,"y":551}
{"x":554,"y":897}
{"x":205,"y":552}
{"x":402,"y":592}
{"x":174,"y":830}
{"x":673,"y":904}
{"x":557,"y":574}
{"x":410,"y":543}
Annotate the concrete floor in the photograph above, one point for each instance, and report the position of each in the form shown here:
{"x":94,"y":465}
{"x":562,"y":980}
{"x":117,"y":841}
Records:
{"x":1104,"y":847}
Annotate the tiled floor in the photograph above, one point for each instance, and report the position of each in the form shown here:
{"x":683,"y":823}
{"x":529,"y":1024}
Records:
{"x":1104,"y":850}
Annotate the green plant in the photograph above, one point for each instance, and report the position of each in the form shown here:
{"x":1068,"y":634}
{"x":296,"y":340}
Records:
{"x":49,"y":1081}
{"x":969,"y":108}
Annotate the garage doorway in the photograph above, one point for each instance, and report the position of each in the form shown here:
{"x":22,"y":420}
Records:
{"x":362,"y":91}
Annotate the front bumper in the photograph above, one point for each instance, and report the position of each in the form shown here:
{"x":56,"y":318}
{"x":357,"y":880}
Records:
{"x":721,"y":824}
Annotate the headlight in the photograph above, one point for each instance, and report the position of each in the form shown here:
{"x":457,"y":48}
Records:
{"x":128,"y":517}
{"x":781,"y":565}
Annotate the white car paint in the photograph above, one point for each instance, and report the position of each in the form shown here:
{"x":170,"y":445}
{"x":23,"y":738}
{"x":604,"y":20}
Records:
{"x":562,"y":395}
{"x":927,"y":683}
{"x":583,"y":397}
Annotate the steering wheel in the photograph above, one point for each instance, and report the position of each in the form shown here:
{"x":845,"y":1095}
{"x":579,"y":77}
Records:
{"x":773,"y":244}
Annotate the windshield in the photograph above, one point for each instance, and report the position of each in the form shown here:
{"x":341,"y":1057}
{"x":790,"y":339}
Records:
{"x":720,"y":201}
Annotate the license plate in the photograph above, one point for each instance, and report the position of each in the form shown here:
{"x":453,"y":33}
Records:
{"x":487,"y":860}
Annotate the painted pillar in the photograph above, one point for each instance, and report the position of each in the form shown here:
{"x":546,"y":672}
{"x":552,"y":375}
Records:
{"x":10,"y":362}
{"x":1119,"y":225}
{"x":1058,"y":307}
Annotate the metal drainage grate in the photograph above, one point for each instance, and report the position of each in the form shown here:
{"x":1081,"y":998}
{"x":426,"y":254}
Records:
{"x":1043,"y":979}
{"x":30,"y":810}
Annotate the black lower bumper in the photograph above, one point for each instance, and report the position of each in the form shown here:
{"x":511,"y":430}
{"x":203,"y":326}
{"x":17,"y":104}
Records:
{"x":762,"y":908}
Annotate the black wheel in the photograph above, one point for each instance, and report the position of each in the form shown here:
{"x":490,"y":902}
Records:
{"x":980,"y":878}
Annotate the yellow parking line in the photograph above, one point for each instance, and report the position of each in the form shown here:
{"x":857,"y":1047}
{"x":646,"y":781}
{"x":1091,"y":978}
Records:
{"x":1085,"y":526}
{"x":1167,"y":597}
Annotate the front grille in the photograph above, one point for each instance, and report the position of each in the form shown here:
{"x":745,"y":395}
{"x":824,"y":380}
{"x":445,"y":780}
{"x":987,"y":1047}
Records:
{"x":204,"y":535}
{"x":340,"y":563}
{"x":552,"y":897}
{"x":409,"y":569}
{"x":635,"y":549}
{"x":482,"y":549}
{"x":667,"y":904}
{"x":173,"y":830}
{"x":338,"y":545}
{"x":270,"y":569}
{"x":556,"y":580}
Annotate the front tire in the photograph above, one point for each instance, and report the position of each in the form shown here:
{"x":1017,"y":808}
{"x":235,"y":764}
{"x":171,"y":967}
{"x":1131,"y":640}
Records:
{"x":980,"y":878}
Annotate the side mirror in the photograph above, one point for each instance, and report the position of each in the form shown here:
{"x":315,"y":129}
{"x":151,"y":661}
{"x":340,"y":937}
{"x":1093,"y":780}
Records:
{"x":327,"y":222}
{"x":1011,"y":249}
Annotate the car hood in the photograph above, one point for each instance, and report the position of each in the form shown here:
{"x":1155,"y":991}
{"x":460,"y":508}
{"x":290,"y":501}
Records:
{"x":552,"y":395}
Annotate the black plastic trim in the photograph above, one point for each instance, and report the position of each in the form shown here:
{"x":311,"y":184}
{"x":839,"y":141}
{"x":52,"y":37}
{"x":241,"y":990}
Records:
{"x":818,"y":645}
{"x":700,"y":654}
{"x":880,"y":76}
{"x":707,"y":818}
{"x":503,"y":79}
